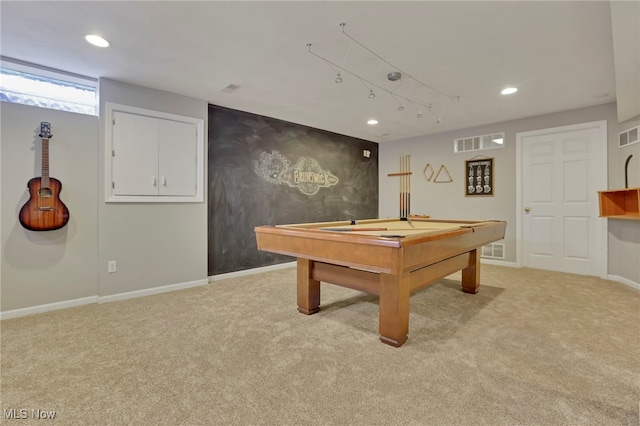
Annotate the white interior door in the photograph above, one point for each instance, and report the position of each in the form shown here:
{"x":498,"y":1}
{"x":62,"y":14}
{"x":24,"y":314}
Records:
{"x":561,"y":170}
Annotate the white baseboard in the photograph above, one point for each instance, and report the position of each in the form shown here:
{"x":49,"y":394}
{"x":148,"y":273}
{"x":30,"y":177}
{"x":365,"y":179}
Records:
{"x":251,"y":271}
{"x":99,"y":299}
{"x":498,"y":263}
{"x":151,"y":291}
{"x":15,"y":313}
{"x":624,"y":280}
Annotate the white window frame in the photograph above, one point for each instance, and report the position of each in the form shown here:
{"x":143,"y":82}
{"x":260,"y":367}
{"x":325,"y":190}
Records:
{"x":56,"y":76}
{"x":479,"y":143}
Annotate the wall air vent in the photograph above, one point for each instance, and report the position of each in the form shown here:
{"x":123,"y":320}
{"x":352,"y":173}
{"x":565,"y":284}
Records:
{"x":493,"y":251}
{"x":477,"y":143}
{"x":629,"y":136}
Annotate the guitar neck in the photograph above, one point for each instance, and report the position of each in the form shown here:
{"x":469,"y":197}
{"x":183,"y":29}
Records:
{"x":45,"y":163}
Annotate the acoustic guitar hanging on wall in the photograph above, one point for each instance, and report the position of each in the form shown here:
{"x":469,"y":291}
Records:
{"x":44,"y":211}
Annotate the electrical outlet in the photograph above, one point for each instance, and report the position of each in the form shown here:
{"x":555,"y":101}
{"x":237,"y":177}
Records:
{"x":111,"y":266}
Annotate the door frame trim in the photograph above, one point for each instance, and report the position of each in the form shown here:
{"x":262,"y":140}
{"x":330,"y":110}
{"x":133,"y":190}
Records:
{"x":602,"y":258}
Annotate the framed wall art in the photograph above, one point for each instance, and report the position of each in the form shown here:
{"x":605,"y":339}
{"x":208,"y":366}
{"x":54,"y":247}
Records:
{"x":479,"y":180}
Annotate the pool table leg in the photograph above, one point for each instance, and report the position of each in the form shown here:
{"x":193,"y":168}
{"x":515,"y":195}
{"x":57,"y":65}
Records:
{"x":471,"y":274}
{"x":394,"y":309}
{"x":308,"y":288}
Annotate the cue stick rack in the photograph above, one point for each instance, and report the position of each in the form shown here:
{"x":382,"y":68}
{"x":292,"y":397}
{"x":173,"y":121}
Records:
{"x":405,"y":186}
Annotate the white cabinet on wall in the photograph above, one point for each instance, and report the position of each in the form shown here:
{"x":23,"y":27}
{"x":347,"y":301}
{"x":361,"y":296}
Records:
{"x":153,"y":156}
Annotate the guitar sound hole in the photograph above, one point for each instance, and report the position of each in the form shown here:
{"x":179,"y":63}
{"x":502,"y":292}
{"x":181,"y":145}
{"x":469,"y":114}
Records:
{"x":44,"y":192}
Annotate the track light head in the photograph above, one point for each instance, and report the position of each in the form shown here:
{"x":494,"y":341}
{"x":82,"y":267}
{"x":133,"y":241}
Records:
{"x":400,"y":107}
{"x":338,"y":78}
{"x":371,"y":94}
{"x":394,"y":76}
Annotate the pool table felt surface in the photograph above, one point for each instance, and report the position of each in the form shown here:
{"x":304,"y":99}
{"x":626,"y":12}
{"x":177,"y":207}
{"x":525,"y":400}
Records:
{"x":394,"y":227}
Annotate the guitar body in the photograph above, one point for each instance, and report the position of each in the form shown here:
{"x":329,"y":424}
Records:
{"x":44,"y":211}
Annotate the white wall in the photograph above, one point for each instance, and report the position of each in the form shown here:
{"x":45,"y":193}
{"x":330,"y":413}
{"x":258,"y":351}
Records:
{"x":154,"y":244}
{"x":40,"y":268}
{"x":624,"y":235}
{"x":157,"y":246}
{"x":447,"y":200}
{"x":618,"y":156}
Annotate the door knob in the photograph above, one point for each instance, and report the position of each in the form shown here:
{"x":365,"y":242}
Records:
{"x":527,"y":209}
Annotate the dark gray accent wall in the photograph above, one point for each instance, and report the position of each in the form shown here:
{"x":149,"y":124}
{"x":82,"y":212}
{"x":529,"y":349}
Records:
{"x":264,"y":171}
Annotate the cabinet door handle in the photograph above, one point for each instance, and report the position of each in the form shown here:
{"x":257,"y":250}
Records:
{"x":154,"y":181}
{"x":164,"y":181}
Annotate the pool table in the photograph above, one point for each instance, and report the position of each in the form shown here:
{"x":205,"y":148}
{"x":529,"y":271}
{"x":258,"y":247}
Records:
{"x":390,"y":258}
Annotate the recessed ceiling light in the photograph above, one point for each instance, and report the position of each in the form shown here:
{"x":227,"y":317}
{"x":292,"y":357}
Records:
{"x":96,"y":40}
{"x":509,"y":90}
{"x":372,"y":121}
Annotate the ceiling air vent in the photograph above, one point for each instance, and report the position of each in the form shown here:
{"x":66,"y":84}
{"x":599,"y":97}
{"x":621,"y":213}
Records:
{"x":229,"y":88}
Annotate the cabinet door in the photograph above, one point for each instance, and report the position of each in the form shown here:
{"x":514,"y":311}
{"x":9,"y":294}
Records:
{"x":135,"y":154}
{"x":177,"y":158}
{"x":152,"y":156}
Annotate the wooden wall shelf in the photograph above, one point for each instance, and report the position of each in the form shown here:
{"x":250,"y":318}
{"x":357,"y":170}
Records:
{"x":620,"y":203}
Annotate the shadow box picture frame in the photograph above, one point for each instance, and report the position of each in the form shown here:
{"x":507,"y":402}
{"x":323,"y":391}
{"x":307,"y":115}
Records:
{"x":479,"y":178}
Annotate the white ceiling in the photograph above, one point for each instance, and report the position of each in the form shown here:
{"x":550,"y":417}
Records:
{"x":559,"y":54}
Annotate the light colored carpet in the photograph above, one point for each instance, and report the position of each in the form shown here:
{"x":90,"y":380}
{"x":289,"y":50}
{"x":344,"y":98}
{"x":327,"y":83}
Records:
{"x":531,"y":348}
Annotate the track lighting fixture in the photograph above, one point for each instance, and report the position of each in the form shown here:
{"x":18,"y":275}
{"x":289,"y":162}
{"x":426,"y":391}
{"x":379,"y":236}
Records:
{"x":394,"y":76}
{"x":397,"y":74}
{"x":400,"y":106}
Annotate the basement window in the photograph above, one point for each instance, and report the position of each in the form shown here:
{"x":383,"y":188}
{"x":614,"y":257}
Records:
{"x":45,"y":89}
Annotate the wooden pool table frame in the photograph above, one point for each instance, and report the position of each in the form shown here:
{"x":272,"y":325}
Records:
{"x":390,"y":267}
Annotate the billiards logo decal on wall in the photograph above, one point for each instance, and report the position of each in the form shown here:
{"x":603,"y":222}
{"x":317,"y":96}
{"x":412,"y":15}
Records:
{"x":306,"y":174}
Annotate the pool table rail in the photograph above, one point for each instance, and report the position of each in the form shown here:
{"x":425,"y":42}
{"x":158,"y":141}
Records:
{"x":375,"y":253}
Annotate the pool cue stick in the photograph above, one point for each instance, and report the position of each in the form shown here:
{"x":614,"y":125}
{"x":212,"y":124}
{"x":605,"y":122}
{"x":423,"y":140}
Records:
{"x":401,"y":190}
{"x":406,"y":199}
{"x":401,"y":177}
{"x":352,"y":229}
{"x":409,"y":190}
{"x":408,"y":186}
